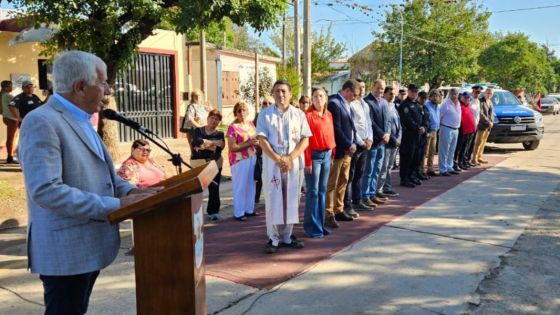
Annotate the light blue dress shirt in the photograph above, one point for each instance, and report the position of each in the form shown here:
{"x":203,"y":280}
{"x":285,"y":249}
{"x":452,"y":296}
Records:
{"x":83,"y":120}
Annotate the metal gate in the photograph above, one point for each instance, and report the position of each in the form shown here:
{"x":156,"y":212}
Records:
{"x":146,"y":93}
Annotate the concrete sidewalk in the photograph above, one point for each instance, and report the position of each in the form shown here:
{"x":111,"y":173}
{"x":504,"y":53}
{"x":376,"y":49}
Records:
{"x":429,"y":261}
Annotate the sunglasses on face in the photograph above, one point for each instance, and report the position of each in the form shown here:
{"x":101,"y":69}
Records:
{"x":144,"y":150}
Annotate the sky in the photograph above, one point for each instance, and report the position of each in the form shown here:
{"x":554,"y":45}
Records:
{"x":354,"y":29}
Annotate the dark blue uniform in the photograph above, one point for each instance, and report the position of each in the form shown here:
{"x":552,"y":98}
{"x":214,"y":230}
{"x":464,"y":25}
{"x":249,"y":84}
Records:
{"x":412,"y":120}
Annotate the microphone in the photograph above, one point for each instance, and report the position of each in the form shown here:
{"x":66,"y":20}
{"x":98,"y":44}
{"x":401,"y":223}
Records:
{"x":112,"y":115}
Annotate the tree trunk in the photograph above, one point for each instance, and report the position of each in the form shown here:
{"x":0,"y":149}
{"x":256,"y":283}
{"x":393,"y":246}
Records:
{"x":109,"y":132}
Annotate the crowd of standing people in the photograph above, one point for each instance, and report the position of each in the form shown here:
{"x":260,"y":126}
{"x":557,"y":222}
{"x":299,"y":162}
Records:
{"x":341,"y":149}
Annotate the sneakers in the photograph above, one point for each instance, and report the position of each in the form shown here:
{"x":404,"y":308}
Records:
{"x":351,"y":212}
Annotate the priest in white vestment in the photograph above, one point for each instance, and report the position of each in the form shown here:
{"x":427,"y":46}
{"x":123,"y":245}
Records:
{"x":283,"y":134}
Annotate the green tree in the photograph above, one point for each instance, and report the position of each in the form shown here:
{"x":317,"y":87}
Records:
{"x":515,"y":62}
{"x":112,"y":29}
{"x":442,"y":41}
{"x":324,"y":49}
{"x":247,"y":90}
{"x":290,"y":74}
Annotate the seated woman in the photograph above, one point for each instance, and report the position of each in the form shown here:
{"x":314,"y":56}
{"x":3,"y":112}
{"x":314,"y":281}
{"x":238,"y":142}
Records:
{"x":208,"y":143}
{"x":139,"y":169}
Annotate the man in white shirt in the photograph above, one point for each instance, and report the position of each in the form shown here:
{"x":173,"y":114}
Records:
{"x":364,"y":140}
{"x":450,"y":121}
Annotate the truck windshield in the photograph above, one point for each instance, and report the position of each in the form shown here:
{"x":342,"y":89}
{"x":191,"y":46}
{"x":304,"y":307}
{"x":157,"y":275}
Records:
{"x":504,"y":98}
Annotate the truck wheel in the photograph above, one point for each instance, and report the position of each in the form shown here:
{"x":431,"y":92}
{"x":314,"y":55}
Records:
{"x":531,"y":145}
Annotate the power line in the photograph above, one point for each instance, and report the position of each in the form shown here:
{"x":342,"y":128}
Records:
{"x":527,"y":9}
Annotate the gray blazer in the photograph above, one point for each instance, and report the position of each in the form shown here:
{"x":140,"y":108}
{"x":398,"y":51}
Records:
{"x":70,"y":190}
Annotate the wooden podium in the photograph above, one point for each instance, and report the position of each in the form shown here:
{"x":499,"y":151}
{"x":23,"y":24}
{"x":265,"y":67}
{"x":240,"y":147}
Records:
{"x":169,"y":244}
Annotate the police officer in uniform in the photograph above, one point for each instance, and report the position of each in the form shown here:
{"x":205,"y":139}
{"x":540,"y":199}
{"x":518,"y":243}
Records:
{"x":26,"y":101}
{"x":419,"y":155}
{"x":412,"y":123}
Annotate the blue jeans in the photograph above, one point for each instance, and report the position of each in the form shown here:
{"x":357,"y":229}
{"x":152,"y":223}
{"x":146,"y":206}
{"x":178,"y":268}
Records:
{"x":316,"y":187}
{"x":446,"y":149}
{"x":374,"y":163}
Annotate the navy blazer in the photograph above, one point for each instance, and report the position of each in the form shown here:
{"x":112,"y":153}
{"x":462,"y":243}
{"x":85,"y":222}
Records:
{"x":344,"y":130}
{"x":379,"y":114}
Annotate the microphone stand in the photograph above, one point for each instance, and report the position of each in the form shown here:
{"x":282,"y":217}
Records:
{"x":176,"y":158}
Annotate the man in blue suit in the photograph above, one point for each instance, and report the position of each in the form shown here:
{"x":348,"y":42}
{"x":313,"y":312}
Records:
{"x":378,"y":110}
{"x":71,"y":186}
{"x":345,"y":139}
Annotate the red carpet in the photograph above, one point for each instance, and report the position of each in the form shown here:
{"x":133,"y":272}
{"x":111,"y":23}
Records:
{"x":235,"y":250}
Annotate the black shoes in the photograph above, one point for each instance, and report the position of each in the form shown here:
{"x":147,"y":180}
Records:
{"x":454,"y":173}
{"x":241,"y":218}
{"x":270,"y":249}
{"x":415,"y":181}
{"x":343,"y":217}
{"x":432,"y":174}
{"x":408,"y":184}
{"x":297,"y":244}
{"x":457,"y":168}
{"x":360,"y":206}
{"x":390,"y":193}
{"x":445,"y":174}
{"x":330,"y":221}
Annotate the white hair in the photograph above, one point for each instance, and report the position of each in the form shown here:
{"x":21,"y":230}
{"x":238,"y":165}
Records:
{"x":74,"y":65}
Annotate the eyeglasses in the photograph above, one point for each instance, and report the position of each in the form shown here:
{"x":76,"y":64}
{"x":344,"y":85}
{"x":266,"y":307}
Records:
{"x":144,"y":150}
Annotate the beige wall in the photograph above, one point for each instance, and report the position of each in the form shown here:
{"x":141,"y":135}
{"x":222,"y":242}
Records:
{"x":17,"y":59}
{"x":231,"y":61}
{"x":20,"y":59}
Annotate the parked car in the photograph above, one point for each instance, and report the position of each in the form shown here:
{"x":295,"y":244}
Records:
{"x":514,"y":122}
{"x":550,"y":104}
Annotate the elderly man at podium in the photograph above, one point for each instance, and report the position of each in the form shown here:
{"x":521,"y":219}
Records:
{"x":71,"y":185}
{"x":283,"y":134}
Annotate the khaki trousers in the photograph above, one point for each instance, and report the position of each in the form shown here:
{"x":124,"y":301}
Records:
{"x":429,"y":152}
{"x":479,"y":143}
{"x":336,"y":186}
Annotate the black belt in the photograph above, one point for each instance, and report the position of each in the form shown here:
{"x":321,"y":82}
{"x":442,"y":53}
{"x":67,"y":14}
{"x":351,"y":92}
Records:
{"x":449,"y":127}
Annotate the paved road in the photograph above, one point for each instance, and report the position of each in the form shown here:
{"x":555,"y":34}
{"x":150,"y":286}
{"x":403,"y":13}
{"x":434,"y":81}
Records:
{"x":459,"y":253}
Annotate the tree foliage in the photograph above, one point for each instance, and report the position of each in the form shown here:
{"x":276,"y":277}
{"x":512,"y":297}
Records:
{"x":247,"y":90}
{"x":112,"y":29}
{"x":442,"y":41}
{"x":325,"y":49}
{"x":515,"y":62}
{"x":290,"y":74}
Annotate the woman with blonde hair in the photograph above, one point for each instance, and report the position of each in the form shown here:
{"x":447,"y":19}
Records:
{"x":196,"y":114}
{"x":242,"y":144}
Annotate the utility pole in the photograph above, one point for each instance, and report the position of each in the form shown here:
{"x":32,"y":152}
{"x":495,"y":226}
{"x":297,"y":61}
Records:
{"x":306,"y":48}
{"x":297,"y":53}
{"x":203,"y":76}
{"x":257,"y":98}
{"x":284,"y":62}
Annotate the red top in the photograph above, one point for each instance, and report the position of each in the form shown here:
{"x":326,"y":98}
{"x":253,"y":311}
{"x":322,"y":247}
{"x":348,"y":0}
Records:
{"x":322,"y":131}
{"x":468,"y":124}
